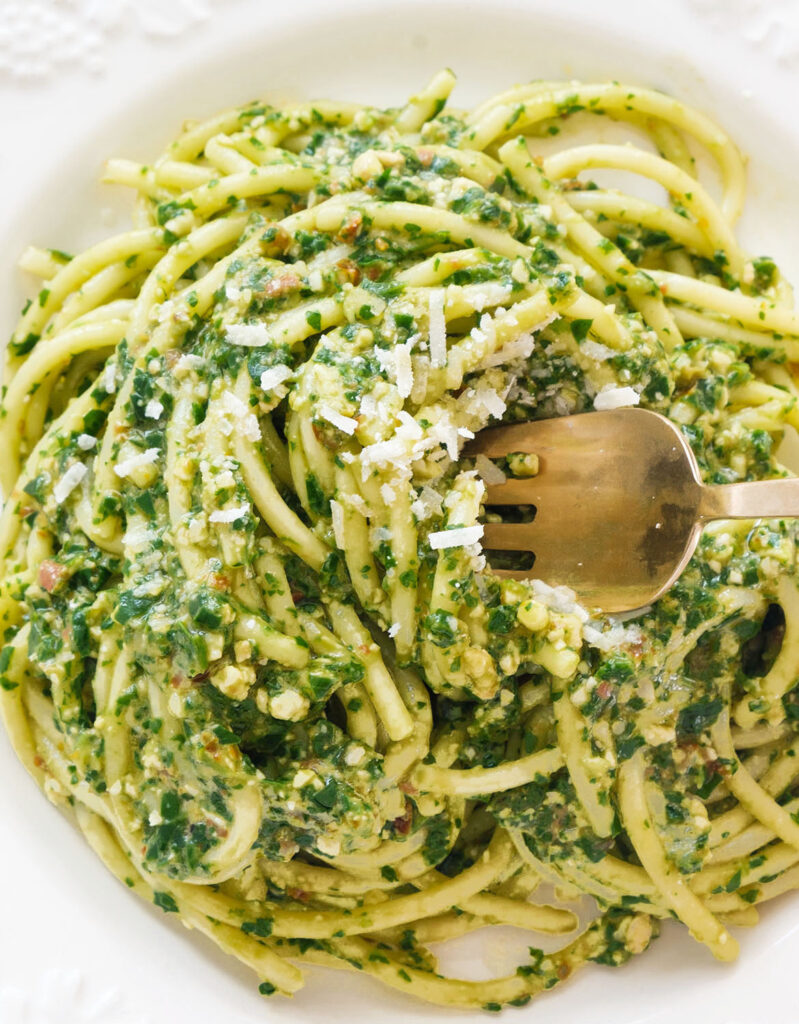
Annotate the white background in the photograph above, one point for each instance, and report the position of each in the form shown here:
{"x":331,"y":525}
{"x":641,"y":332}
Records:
{"x":84,"y":79}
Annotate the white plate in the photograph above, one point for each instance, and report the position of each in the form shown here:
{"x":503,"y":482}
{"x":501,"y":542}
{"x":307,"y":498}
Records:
{"x":74,"y":946}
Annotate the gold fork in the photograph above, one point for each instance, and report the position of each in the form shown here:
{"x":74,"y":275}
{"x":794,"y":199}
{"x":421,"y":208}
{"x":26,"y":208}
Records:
{"x":619,"y":504}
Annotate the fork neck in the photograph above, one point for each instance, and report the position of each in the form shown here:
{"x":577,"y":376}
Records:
{"x":763,"y":499}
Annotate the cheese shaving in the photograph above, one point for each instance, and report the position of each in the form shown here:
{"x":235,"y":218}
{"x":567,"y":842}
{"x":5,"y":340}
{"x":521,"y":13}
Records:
{"x":229,"y":515}
{"x":404,"y":370}
{"x":274,"y":376}
{"x":489,"y":472}
{"x":126,"y":467}
{"x":461,"y":536}
{"x":337,"y":517}
{"x":68,"y":482}
{"x":344,"y":423}
{"x":438,"y":328}
{"x":616,"y":398}
{"x":247,"y":335}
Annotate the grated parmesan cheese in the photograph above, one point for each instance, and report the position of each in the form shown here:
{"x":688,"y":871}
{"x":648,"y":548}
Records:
{"x":68,"y":482}
{"x":489,"y":471}
{"x":438,"y":328}
{"x":409,"y":427}
{"x":229,"y":515}
{"x":247,"y":420}
{"x":427,"y":504}
{"x":489,"y":293}
{"x":188,"y":362}
{"x":520,"y":348}
{"x":461,"y":536}
{"x":274,"y":376}
{"x":126,"y":467}
{"x":330,"y":256}
{"x":153,"y":409}
{"x":393,"y":629}
{"x":247,"y":335}
{"x":139,"y":538}
{"x":490,"y":400}
{"x":613,"y":637}
{"x":356,"y":503}
{"x":354,"y":756}
{"x":476,"y":557}
{"x":596,"y":350}
{"x":616,"y":398}
{"x":108,"y":379}
{"x":486,"y":333}
{"x":164,"y":311}
{"x":344,"y":423}
{"x":337,"y":516}
{"x":86,"y":442}
{"x":560,"y":599}
{"x":391,"y":452}
{"x":404,"y":369}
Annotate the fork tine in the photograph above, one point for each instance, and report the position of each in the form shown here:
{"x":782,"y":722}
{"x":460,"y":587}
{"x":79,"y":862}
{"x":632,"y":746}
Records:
{"x":499,"y":441}
{"x":513,"y":492}
{"x":515,"y":574}
{"x":508,"y":536}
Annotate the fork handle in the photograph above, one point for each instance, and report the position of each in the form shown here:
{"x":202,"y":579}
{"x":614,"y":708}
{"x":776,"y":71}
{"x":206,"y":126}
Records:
{"x":763,"y":499}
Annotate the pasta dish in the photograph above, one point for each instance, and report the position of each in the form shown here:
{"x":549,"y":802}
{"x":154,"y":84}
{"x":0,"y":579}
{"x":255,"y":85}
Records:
{"x":252,"y":641}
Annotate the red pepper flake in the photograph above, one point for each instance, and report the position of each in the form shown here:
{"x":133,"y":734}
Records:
{"x":636,"y":649}
{"x":50,"y":574}
{"x":350,"y":228}
{"x":281,"y":285}
{"x":348,"y":271}
{"x":402,"y":825}
{"x":281,"y":240}
{"x":219,"y":581}
{"x":604,"y":690}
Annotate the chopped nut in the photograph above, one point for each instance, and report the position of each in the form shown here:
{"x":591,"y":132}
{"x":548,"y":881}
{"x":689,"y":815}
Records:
{"x":242,"y":649}
{"x":639,"y":933}
{"x":329,"y":846}
{"x":289,"y":706}
{"x":479,"y":667}
{"x":234,"y":681}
